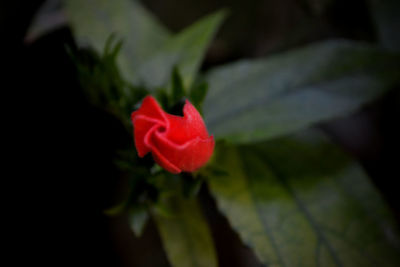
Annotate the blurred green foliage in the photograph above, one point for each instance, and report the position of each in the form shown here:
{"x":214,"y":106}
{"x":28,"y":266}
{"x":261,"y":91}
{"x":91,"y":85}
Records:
{"x":300,"y":201}
{"x":292,"y":195}
{"x":253,"y":100}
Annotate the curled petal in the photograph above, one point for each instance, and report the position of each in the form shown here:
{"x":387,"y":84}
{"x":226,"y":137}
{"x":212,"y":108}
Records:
{"x":189,"y":156}
{"x":176,"y":143}
{"x":143,"y":126}
{"x":151,"y":109}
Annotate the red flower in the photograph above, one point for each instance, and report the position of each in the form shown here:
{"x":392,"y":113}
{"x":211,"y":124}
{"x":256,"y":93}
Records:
{"x":176,"y":143}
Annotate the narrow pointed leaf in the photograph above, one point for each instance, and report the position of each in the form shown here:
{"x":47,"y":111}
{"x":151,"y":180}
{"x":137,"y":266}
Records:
{"x":185,"y":50}
{"x":300,"y":201}
{"x":178,"y":90}
{"x":254,"y":100}
{"x":186,"y":237}
{"x":197,"y":95}
{"x":138,"y":217}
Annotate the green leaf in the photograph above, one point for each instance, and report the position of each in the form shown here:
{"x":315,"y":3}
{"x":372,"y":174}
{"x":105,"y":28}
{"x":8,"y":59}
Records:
{"x":115,"y":210}
{"x":191,"y":184}
{"x":254,"y":100}
{"x":300,"y":201}
{"x":93,"y":22}
{"x":185,"y":50}
{"x":186,"y":236}
{"x":197,"y":95}
{"x":138,"y":216}
{"x":178,"y":90}
{"x":49,"y":18}
{"x":102,"y":81}
{"x":385,"y":15}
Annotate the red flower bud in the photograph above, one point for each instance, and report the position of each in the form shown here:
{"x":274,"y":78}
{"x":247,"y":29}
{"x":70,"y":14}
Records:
{"x":176,"y":143}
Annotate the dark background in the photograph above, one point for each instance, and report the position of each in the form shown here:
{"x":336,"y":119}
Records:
{"x":63,"y":144}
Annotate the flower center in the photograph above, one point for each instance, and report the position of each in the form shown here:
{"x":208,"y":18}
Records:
{"x":161,"y":129}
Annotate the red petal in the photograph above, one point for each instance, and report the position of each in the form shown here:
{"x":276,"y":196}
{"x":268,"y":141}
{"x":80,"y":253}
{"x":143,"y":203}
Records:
{"x":187,"y":157}
{"x":150,"y":109}
{"x":148,"y":115}
{"x":163,"y":162}
{"x":188,"y":127}
{"x":142,"y":127}
{"x":177,"y":143}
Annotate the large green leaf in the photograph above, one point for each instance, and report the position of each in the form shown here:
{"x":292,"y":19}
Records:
{"x":300,"y":201}
{"x":254,"y":100}
{"x":149,"y":53}
{"x":186,"y":50}
{"x":93,"y":21}
{"x":186,"y":236}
